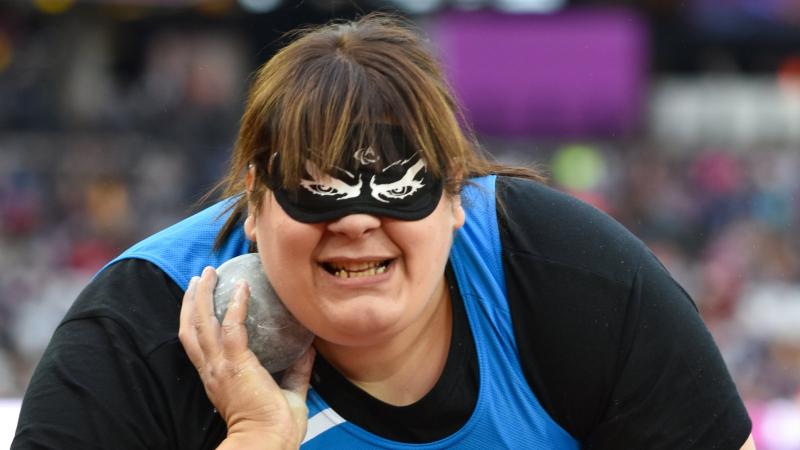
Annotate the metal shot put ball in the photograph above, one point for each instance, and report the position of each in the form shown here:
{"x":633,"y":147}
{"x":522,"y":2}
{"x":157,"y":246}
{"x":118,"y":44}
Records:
{"x":273,"y":334}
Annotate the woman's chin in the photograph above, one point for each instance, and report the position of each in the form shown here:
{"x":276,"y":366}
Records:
{"x":360,"y":326}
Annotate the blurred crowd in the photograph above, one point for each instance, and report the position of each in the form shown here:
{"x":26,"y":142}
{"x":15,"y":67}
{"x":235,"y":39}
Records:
{"x":92,"y":161}
{"x":725,"y":225}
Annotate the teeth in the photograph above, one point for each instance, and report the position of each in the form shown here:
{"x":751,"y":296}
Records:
{"x":358,"y":270}
{"x":357,"y":267}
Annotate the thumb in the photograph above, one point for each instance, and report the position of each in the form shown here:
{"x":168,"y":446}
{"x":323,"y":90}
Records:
{"x":294,"y":386}
{"x":296,"y":378}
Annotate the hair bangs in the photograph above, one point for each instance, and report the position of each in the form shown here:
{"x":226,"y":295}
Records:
{"x":341,"y":104}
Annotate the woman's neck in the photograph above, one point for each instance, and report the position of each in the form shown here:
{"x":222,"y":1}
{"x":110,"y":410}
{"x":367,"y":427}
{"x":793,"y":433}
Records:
{"x":401,"y":370}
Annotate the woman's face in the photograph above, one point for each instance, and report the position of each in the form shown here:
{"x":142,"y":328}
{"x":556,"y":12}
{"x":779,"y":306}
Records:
{"x":360,"y":279}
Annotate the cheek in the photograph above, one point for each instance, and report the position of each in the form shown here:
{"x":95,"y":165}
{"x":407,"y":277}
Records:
{"x":286,"y":247}
{"x":288,"y":263}
{"x":426,"y":244}
{"x":292,"y":239}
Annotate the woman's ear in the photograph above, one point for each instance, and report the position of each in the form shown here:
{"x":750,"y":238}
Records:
{"x":458,"y":212}
{"x":250,"y":177}
{"x":250,"y":220}
{"x":457,"y":209}
{"x":250,"y":226}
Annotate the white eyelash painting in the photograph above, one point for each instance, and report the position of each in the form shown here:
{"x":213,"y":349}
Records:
{"x":400,"y":189}
{"x":327,"y":186}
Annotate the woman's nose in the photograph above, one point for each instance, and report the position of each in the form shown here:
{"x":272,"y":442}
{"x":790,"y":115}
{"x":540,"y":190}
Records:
{"x":354,"y":226}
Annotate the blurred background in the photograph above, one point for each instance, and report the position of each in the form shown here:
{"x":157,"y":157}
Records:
{"x":680,"y":118}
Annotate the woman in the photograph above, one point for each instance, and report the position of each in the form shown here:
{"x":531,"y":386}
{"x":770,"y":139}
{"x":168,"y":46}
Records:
{"x":455,"y":302}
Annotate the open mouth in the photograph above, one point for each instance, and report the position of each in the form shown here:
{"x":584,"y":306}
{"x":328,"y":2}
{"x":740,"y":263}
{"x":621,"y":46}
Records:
{"x":356,"y":269}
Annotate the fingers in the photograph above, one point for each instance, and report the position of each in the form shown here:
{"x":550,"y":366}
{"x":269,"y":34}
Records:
{"x":296,"y":377}
{"x":186,"y":331}
{"x":205,"y":322}
{"x":234,"y":331}
{"x":295,"y":388}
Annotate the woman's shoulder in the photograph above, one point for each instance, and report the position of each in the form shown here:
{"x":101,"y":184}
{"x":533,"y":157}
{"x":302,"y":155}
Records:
{"x":553,"y":226}
{"x":137,"y":296}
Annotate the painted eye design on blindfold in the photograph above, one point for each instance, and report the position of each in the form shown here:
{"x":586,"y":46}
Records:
{"x":327,"y":186}
{"x":400,"y":189}
{"x":365,"y":156}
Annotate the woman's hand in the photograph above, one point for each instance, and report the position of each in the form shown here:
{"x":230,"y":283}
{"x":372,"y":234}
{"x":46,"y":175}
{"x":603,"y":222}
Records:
{"x":258,"y":412}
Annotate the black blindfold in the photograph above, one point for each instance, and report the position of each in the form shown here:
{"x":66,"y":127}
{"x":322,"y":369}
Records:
{"x":387,"y":178}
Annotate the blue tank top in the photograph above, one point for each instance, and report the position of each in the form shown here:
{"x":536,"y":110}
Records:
{"x":507,"y":414}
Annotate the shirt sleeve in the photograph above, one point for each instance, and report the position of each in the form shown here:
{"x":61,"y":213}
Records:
{"x":672,"y":387}
{"x":114,"y":374}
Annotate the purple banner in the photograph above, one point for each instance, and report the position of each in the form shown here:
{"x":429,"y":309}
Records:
{"x":576,"y":73}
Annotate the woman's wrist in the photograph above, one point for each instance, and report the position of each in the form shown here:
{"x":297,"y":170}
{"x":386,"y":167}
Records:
{"x":258,"y":439}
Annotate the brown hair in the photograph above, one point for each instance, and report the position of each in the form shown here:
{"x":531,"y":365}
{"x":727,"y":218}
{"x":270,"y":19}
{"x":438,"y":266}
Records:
{"x":308,"y":99}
